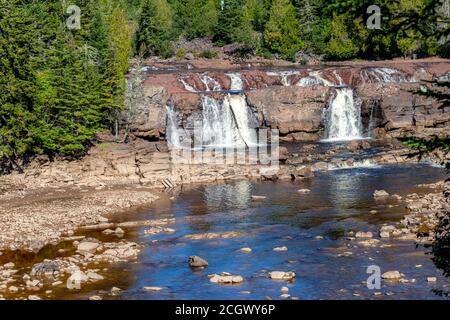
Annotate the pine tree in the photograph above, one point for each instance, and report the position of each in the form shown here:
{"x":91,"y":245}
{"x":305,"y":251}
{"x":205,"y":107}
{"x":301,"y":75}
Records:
{"x":195,"y":18}
{"x":282,"y":32}
{"x":229,"y":19}
{"x":155,"y":28}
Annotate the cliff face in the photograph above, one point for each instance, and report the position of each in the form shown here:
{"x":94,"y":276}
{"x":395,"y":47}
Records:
{"x":295,"y":100}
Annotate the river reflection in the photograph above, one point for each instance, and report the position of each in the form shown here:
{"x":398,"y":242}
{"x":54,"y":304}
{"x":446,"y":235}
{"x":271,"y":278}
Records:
{"x":340,"y":201}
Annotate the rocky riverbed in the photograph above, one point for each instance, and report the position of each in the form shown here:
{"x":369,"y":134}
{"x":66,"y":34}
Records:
{"x":104,"y":253}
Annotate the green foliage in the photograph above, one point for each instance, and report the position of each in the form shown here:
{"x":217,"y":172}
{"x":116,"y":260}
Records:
{"x":195,"y":18}
{"x":282,"y":33}
{"x":155,"y":28}
{"x":208,"y":54}
{"x":229,"y":20}
{"x":59,"y":86}
{"x":340,"y":44}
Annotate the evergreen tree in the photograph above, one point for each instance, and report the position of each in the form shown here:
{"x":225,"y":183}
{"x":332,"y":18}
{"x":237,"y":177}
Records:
{"x":282,"y":32}
{"x":155,"y":28}
{"x":195,"y":18}
{"x":340,"y":45}
{"x":229,"y":20}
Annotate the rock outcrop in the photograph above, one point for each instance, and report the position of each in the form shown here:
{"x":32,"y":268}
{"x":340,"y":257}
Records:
{"x":294,"y":100}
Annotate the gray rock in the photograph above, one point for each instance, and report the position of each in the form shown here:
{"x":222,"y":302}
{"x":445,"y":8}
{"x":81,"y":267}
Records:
{"x":196,"y":262}
{"x":44,"y":268}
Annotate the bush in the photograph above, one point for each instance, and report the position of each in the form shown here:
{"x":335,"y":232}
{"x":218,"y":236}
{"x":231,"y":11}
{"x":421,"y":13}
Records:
{"x":208,"y":54}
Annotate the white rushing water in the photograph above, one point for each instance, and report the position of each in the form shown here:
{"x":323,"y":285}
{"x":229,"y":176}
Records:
{"x":364,"y":163}
{"x":284,"y":75}
{"x":314,"y":78}
{"x":172,"y":131}
{"x":228,"y":123}
{"x":384,"y":75}
{"x":343,"y":117}
{"x":236,"y":82}
{"x":211,"y":84}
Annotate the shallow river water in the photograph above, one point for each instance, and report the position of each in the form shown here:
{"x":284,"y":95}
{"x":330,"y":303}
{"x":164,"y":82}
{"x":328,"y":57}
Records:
{"x":340,"y":201}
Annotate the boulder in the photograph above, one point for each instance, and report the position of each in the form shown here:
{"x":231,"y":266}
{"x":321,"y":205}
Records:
{"x":391,"y":275}
{"x":281,"y":275}
{"x":226,"y":278}
{"x":196,"y":262}
{"x":88,"y":246}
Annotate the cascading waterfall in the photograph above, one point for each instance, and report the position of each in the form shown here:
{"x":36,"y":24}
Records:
{"x":172,"y":130}
{"x":343,"y":117}
{"x":314,"y":78}
{"x":236,"y":82}
{"x":384,"y":75}
{"x":218,"y":126}
{"x":284,"y":76}
{"x":210,"y":83}
{"x":228,"y":123}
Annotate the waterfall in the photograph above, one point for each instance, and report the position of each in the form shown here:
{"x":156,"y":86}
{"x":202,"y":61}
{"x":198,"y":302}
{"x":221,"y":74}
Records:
{"x":172,"y":131}
{"x":187,"y":86}
{"x":343,"y":117}
{"x":242,"y":118}
{"x":227,"y":124}
{"x":236,"y":82}
{"x":384,"y":75}
{"x":314,"y":78}
{"x":210,"y":83}
{"x":218,"y":126}
{"x":284,"y":76}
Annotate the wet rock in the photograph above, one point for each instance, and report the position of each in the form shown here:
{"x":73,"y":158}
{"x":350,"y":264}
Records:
{"x":44,"y":268}
{"x":152,"y":289}
{"x":245,"y":250}
{"x":33,"y":297}
{"x":361,"y":234}
{"x":108,"y":231}
{"x":379,"y":194}
{"x":258,"y":198}
{"x":284,"y":289}
{"x":93,"y":276}
{"x":345,"y":254}
{"x":76,"y":279}
{"x":196,"y":262}
{"x":280,"y":248}
{"x":157,"y":230}
{"x":95,"y":298}
{"x":13,"y":289}
{"x":212,"y":235}
{"x":119,"y":231}
{"x":226,"y":278}
{"x":391,"y":275}
{"x":8,"y":265}
{"x":431,"y":279}
{"x":281,"y":275}
{"x":303,"y":191}
{"x":102,"y":219}
{"x":369,"y":243}
{"x":32,"y":284}
{"x":88,"y":246}
{"x":385,"y":231}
